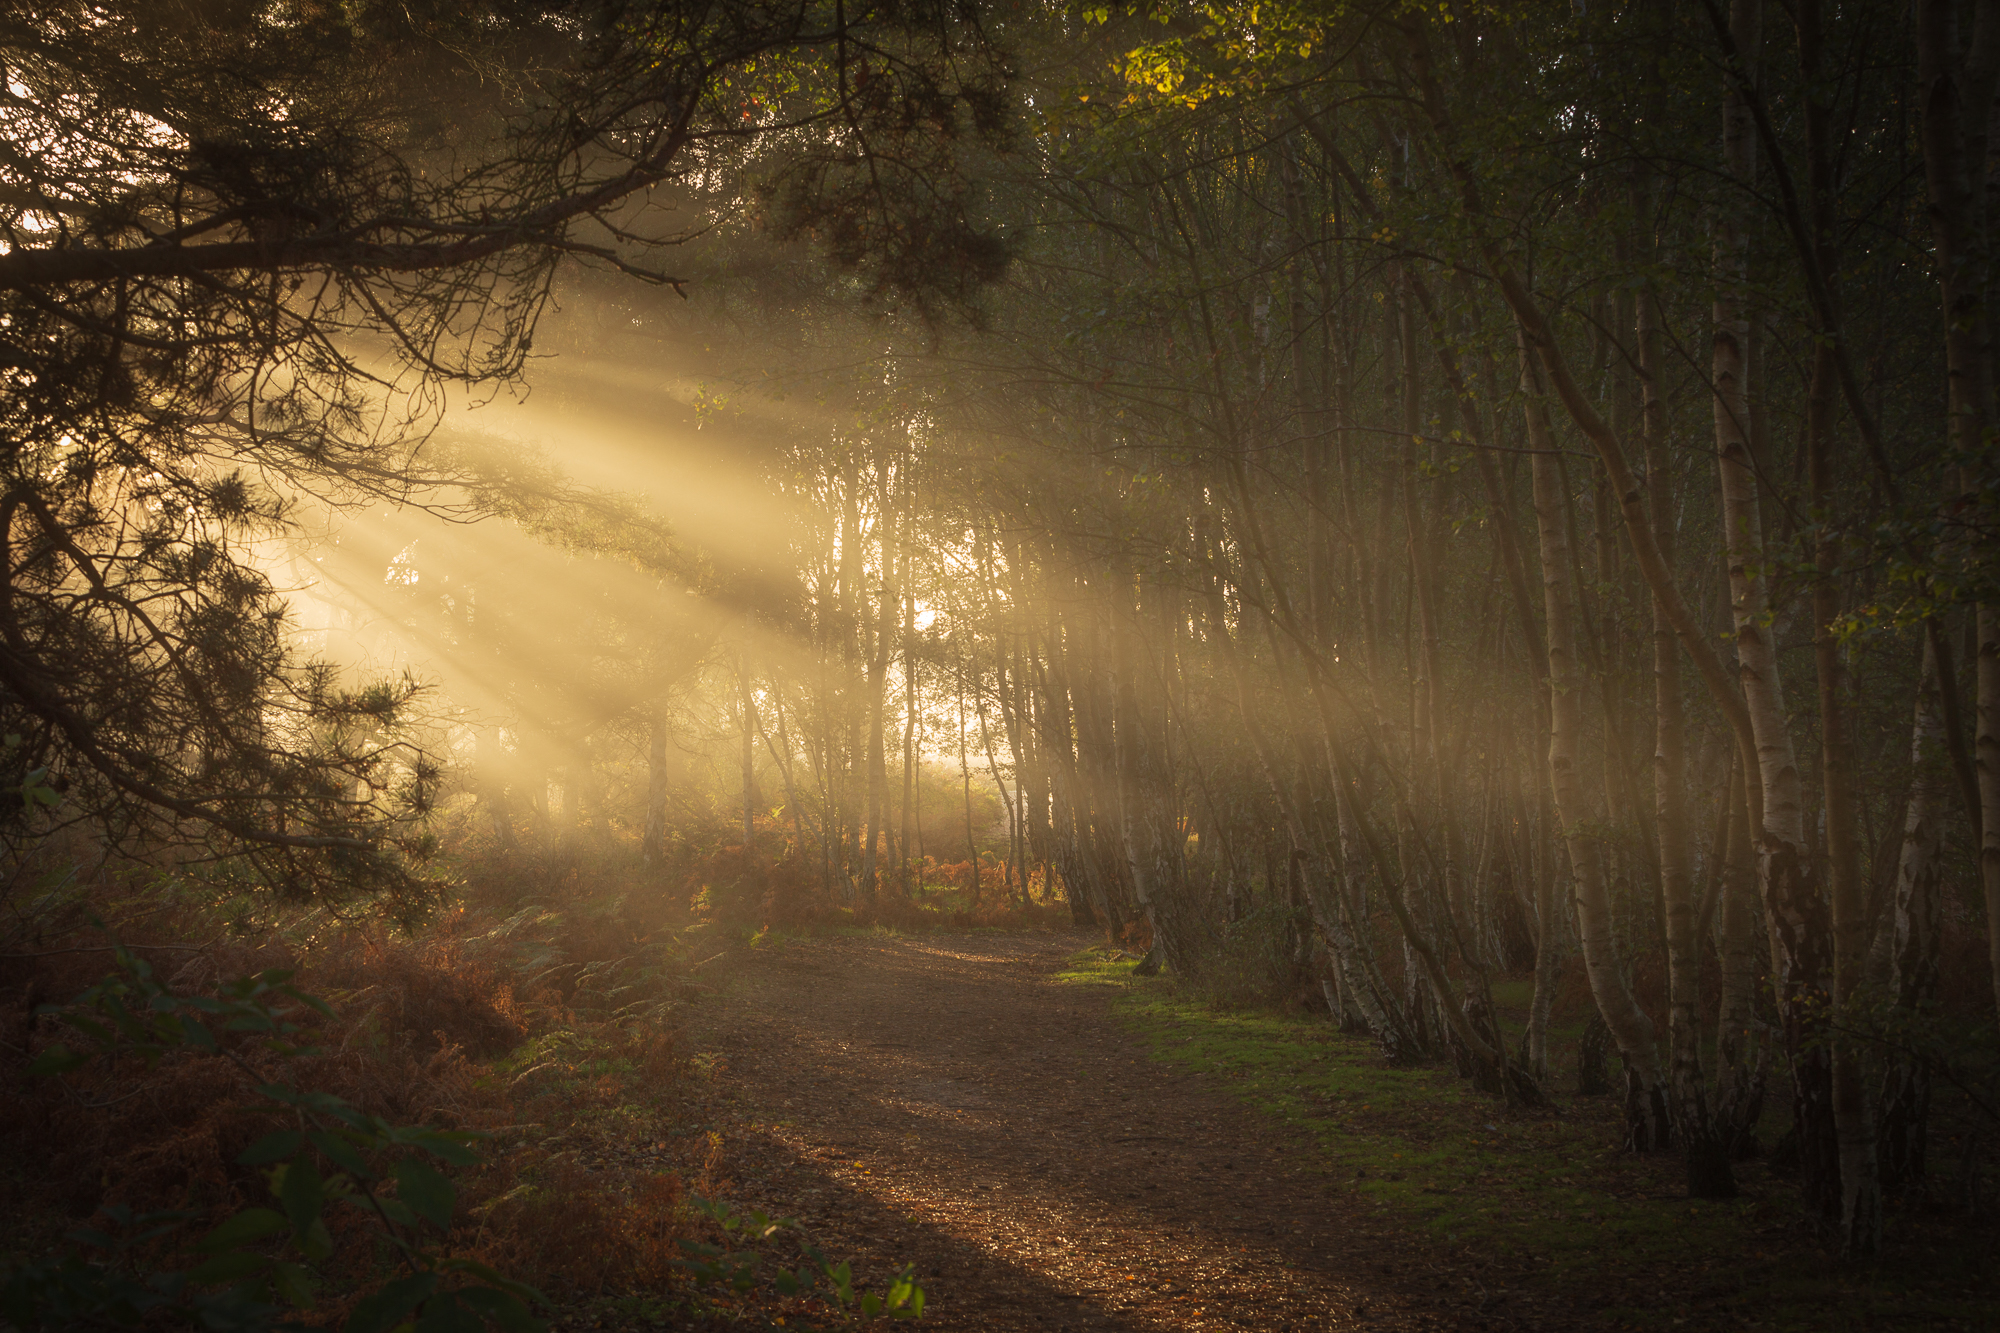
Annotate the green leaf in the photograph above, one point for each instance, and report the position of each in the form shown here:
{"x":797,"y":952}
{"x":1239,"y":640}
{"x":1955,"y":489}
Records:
{"x":500,"y":1308}
{"x":57,"y":1059}
{"x":424,"y":1188}
{"x":343,"y":1154}
{"x":492,"y":1278}
{"x":443,"y":1314}
{"x":393,"y":1209}
{"x":301,"y":1194}
{"x":271,"y":1148}
{"x":380,"y":1312}
{"x":90,"y":1027}
{"x":318,"y":1244}
{"x":905,"y":1297}
{"x":294,"y":1284}
{"x":362,"y":1123}
{"x":252,"y":1224}
{"x":231,"y":1267}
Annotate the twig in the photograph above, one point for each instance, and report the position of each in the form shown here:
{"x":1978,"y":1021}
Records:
{"x":111,"y":948}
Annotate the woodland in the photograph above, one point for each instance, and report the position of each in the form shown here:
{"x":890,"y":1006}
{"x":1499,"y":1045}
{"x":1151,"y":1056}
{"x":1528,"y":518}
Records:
{"x":1457,"y":538}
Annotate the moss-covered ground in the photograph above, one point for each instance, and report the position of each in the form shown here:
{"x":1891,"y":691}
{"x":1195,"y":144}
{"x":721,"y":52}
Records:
{"x":1548,"y":1194}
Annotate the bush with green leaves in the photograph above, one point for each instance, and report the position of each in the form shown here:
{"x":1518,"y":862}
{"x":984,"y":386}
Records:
{"x":738,"y":1269}
{"x":262,"y":1264}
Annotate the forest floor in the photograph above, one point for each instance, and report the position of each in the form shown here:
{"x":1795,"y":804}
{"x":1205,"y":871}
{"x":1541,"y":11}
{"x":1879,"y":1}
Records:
{"x":1058,"y":1147}
{"x":944,"y":1101}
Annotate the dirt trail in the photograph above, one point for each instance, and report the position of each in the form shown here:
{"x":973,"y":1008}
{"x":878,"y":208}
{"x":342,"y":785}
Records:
{"x":944,"y":1101}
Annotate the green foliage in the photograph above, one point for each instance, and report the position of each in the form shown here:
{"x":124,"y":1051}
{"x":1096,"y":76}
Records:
{"x":34,"y":788}
{"x":262,"y":1262}
{"x":737,"y":1270}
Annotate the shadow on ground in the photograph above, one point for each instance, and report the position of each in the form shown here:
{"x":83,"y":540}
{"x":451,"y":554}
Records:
{"x":941,"y":1101}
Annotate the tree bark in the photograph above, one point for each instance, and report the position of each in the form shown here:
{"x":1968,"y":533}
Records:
{"x":1786,"y":868}
{"x":1740,"y":1056}
{"x":750,"y":800}
{"x":653,"y":841}
{"x":1647,"y":1124}
{"x":877,"y":702}
{"x":1704,"y":1142}
{"x":1854,"y":1112}
{"x":1919,"y":910}
{"x":1957,"y":82}
{"x":1987,"y":745}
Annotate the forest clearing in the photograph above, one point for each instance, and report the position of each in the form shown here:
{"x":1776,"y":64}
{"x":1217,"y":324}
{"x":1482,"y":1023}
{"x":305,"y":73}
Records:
{"x":817,"y":663}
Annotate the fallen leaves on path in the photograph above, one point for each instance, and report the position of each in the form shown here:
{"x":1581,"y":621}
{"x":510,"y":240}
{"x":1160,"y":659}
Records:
{"x":943,"y":1101}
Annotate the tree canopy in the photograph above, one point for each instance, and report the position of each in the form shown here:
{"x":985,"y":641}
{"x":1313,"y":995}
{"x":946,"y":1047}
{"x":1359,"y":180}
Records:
{"x":252,"y":253}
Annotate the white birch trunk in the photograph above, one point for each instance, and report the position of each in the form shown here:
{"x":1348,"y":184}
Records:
{"x":1646,"y":1119}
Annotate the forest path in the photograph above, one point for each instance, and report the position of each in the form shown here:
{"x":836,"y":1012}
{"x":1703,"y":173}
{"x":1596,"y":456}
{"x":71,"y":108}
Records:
{"x":945,"y":1101}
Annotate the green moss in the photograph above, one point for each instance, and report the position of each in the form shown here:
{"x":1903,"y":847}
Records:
{"x":1098,"y":967}
{"x":1545,"y":1192}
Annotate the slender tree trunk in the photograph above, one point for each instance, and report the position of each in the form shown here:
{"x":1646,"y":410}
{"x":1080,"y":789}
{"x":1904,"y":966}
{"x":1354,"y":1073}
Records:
{"x":965,"y":771}
{"x":1792,"y":898}
{"x":1000,"y":783}
{"x":1853,"y":1111}
{"x":750,"y":797}
{"x":910,"y":758}
{"x":1740,"y":1056}
{"x":1058,"y":750}
{"x":850,"y":614}
{"x":1704,"y":1142}
{"x":1957,"y":78}
{"x":1987,"y":748}
{"x":916,"y":848}
{"x":1551,"y":929}
{"x":653,"y":841}
{"x":877,"y":702}
{"x":1919,"y":910}
{"x":1150,"y":820}
{"x":780,"y":751}
{"x":1647,"y":1124}
{"x":493,"y":787}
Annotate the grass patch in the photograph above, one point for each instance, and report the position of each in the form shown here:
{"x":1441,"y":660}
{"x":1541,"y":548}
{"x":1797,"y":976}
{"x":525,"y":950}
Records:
{"x":1547,"y":1195}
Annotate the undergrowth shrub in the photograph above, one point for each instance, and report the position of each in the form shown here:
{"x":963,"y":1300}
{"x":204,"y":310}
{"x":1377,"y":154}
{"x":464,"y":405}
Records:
{"x":237,"y":1267}
{"x":557,"y":1019}
{"x":1256,"y":962}
{"x":567,"y":1225}
{"x":538,"y":1012}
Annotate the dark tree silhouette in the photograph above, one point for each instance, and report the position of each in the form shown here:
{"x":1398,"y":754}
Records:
{"x":250,"y":249}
